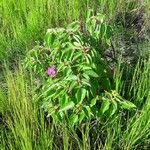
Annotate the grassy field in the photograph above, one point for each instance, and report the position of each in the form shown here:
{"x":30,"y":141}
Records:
{"x":23,"y":24}
{"x":26,"y":125}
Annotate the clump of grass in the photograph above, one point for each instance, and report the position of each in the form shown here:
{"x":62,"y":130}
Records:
{"x":31,"y":19}
{"x":25,"y":124}
{"x":30,"y":22}
{"x":132,"y":130}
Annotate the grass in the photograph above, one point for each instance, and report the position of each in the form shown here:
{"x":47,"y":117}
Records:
{"x":136,"y":89}
{"x":27,"y":127}
{"x":23,"y":24}
{"x":23,"y":124}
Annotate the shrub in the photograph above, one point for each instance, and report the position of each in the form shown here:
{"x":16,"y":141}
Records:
{"x":73,"y":74}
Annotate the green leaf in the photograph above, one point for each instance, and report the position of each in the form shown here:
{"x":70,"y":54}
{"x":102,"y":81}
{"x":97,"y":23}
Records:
{"x":105,"y":106}
{"x":81,"y":116}
{"x":49,"y":94}
{"x":85,"y":67}
{"x":77,"y":56}
{"x":87,"y":111}
{"x":92,"y":73}
{"x":80,"y":95}
{"x":89,"y":58}
{"x":113,"y":108}
{"x":78,"y":40}
{"x":124,"y":103}
{"x":72,"y":77}
{"x":93,"y":101}
{"x":89,"y":14}
{"x":50,"y":39}
{"x":74,"y":26}
{"x":73,"y":119}
{"x":73,"y":84}
{"x":86,"y":82}
{"x":127,"y":105}
{"x":58,"y":93}
{"x":63,"y":100}
{"x":71,"y":55}
{"x":67,"y":106}
{"x":77,"y":44}
{"x":86,"y":76}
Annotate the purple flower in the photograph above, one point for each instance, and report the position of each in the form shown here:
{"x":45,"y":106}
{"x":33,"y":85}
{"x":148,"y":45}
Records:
{"x":51,"y":71}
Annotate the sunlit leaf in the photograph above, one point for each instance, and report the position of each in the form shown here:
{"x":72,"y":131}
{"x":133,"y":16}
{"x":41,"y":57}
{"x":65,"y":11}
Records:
{"x":92,"y":73}
{"x":73,"y":119}
{"x":80,"y":95}
{"x":67,"y":106}
{"x":72,"y":77}
{"x":81,"y":116}
{"x":113,"y":108}
{"x":93,"y":101}
{"x":127,"y":105}
{"x":105,"y":106}
{"x":87,"y":111}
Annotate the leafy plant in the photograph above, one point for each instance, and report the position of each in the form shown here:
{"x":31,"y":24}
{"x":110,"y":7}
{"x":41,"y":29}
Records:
{"x":72,"y":72}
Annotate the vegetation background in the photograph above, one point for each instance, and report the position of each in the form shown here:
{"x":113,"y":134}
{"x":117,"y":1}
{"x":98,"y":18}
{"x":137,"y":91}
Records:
{"x":23,"y":126}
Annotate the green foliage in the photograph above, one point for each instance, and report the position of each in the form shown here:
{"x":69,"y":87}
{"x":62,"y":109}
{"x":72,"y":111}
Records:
{"x":74,"y":93}
{"x":24,"y":125}
{"x":78,"y":90}
{"x":27,"y":128}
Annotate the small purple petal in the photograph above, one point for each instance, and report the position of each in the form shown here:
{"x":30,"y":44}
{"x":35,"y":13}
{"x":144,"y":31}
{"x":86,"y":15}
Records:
{"x":51,"y":71}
